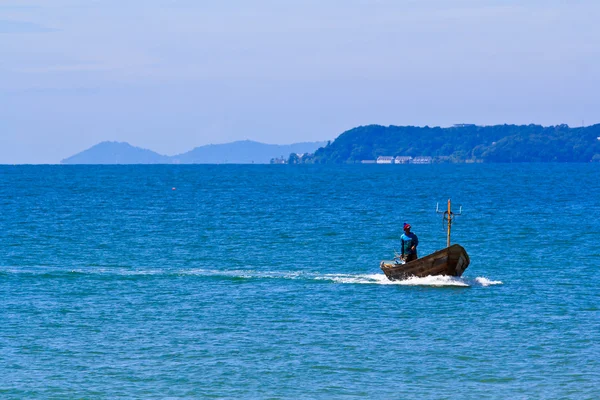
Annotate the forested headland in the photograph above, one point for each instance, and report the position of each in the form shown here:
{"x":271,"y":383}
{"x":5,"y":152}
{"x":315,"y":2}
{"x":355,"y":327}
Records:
{"x":462,"y":143}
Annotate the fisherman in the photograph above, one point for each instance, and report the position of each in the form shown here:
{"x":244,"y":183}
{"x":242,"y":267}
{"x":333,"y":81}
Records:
{"x":409,"y":243}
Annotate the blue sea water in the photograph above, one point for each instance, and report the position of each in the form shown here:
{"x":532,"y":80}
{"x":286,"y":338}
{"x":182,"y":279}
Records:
{"x":264,"y":282}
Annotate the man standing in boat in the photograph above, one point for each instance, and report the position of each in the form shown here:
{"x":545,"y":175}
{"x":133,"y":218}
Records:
{"x":409,"y":243}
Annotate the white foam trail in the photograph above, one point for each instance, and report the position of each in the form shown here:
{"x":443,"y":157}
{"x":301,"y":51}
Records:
{"x":360,"y":279}
{"x":434,"y":281}
{"x":372,"y":279}
{"x":486,"y":282}
{"x":380,"y":279}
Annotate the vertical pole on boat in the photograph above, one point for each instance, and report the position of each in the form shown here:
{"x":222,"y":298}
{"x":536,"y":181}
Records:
{"x":448,"y":218}
{"x":449,"y":223}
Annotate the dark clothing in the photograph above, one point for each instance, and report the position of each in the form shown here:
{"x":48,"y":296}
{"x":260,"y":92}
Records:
{"x":410,"y":257}
{"x":407,"y":241}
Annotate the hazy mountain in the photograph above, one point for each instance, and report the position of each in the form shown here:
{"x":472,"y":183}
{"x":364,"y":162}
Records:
{"x":242,"y":152}
{"x":116,"y":153}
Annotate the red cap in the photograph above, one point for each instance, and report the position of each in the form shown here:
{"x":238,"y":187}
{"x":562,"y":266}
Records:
{"x":406,"y":226}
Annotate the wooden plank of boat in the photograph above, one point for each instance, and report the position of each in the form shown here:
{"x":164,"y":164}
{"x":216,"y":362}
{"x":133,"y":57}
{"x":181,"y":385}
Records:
{"x":451,"y":261}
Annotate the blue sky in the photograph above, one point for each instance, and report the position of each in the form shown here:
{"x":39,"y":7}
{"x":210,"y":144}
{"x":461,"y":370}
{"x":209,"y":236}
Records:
{"x":170,"y":75}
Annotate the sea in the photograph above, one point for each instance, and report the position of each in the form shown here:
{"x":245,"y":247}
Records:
{"x":263,"y":282}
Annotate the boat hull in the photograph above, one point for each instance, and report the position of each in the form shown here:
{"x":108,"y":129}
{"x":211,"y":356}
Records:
{"x":451,"y":261}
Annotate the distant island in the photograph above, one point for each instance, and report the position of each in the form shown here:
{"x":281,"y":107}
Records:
{"x":240,"y":152}
{"x":463,"y":143}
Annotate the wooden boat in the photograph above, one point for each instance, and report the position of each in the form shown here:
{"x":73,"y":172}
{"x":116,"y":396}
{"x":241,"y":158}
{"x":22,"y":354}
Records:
{"x":451,"y":261}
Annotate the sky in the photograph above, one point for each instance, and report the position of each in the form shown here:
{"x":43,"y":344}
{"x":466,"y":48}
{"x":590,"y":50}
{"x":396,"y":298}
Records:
{"x":171,"y":75}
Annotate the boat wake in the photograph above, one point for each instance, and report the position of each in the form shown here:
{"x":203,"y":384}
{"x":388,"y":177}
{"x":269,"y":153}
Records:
{"x":435,"y":281}
{"x":372,"y":279}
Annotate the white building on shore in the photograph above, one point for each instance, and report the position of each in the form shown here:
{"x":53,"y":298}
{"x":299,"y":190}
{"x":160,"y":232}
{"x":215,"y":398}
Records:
{"x":402,"y":160}
{"x":385,"y":160}
{"x":421,"y":160}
